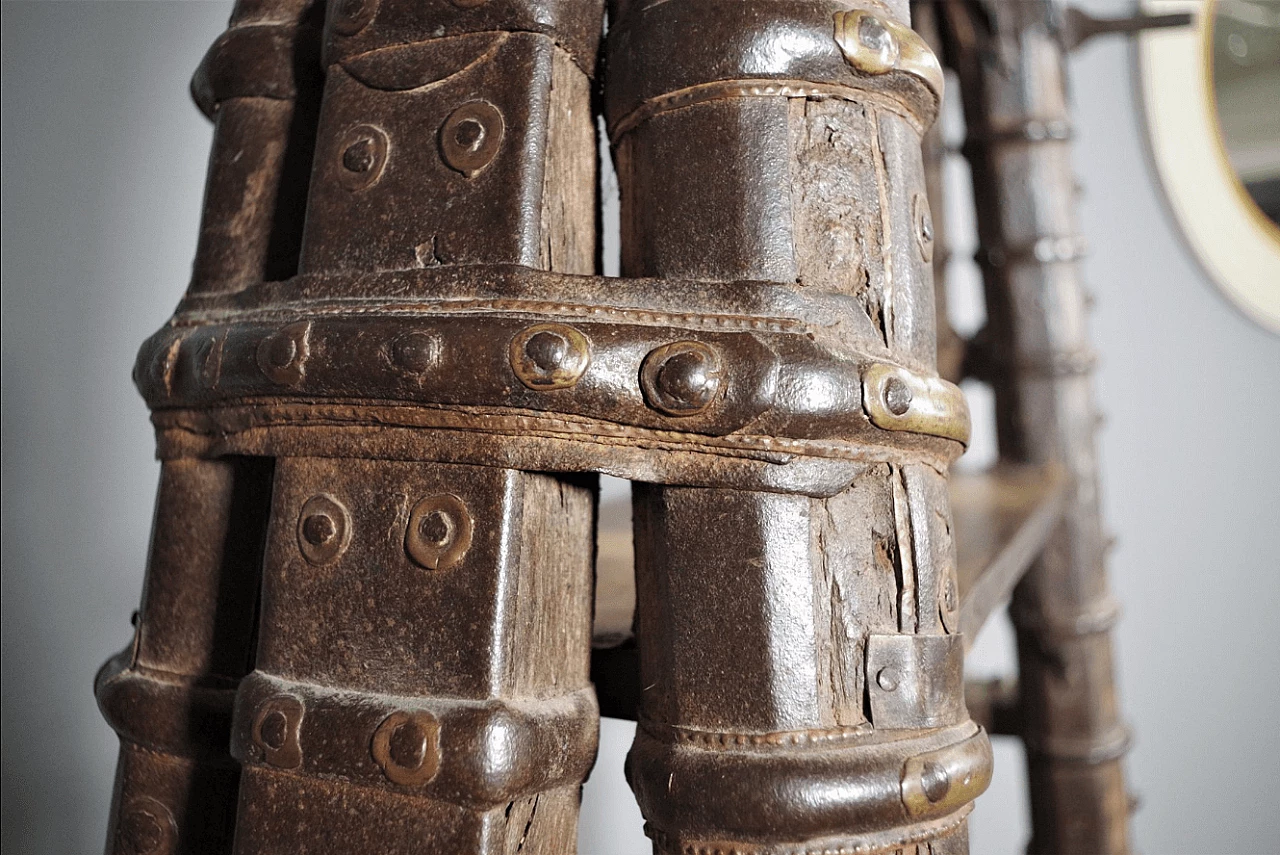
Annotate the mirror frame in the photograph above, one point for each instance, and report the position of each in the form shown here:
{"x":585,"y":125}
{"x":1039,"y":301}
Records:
{"x":1234,"y":241}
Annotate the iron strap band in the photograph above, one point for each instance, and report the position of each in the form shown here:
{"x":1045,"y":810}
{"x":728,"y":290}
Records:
{"x":690,"y":381}
{"x":663,"y":49}
{"x":169,"y":713}
{"x":477,"y":753}
{"x":904,"y":781}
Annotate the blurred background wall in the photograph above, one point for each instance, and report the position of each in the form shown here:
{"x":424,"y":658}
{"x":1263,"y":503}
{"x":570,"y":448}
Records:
{"x":103,"y":165}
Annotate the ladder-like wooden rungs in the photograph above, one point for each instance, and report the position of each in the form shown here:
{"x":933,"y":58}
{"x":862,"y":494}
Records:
{"x":1002,"y":518}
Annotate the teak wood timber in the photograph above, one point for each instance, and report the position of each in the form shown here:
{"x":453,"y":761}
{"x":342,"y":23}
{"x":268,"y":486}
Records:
{"x":382,"y":405}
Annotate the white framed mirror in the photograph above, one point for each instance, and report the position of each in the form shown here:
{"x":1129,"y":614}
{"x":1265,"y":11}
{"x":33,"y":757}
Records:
{"x":1211,"y":102}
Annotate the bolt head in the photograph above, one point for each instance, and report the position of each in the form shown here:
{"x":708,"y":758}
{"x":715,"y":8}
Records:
{"x":471,"y":137}
{"x":273,"y":730}
{"x":282,"y":351}
{"x":436,"y":527}
{"x":550,"y":356}
{"x":416,"y":351}
{"x":935,"y":781}
{"x":682,"y":379}
{"x":439,"y":532}
{"x":887,"y":679}
{"x":359,"y":156}
{"x":407,"y":747}
{"x":140,"y":832}
{"x":873,"y":33}
{"x":897,"y":396}
{"x":319,"y":529}
{"x":324,"y":529}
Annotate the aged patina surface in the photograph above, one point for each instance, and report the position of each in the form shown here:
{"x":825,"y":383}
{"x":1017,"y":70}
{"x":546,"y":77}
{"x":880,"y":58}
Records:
{"x":383,"y":402}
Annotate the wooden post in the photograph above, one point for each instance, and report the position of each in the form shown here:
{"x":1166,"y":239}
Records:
{"x":800,"y":665}
{"x":1035,"y":352}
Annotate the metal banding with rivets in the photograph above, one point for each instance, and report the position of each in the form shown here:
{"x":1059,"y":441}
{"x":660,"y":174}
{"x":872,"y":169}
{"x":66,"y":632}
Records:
{"x":439,"y":531}
{"x":709,"y":383}
{"x":475,"y":753}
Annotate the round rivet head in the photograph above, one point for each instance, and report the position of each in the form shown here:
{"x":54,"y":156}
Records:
{"x":682,"y":379}
{"x":875,"y":37}
{"x":471,"y":136}
{"x":924,"y":226}
{"x":887,"y":679}
{"x":897,"y":396}
{"x":550,"y":356}
{"x":324,"y":529}
{"x":439,"y":532}
{"x":146,"y":828}
{"x":406,"y":746}
{"x":935,"y":781}
{"x":282,"y":356}
{"x":416,"y":351}
{"x":276,"y":731}
{"x":362,"y":156}
{"x":351,"y":16}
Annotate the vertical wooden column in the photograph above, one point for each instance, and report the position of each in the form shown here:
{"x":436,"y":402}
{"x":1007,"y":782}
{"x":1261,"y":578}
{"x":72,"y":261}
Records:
{"x":170,"y":695}
{"x":800,"y":665}
{"x":422,"y":678}
{"x":1037,"y":356}
{"x":260,"y":83}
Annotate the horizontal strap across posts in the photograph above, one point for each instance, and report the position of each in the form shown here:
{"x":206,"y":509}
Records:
{"x":556,"y":345}
{"x":358,"y":28}
{"x":707,"y":383}
{"x":478,"y":754}
{"x":822,"y":787}
{"x":163,"y":712}
{"x":661,"y":58}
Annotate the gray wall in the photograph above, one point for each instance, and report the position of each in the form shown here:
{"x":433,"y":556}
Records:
{"x":103,"y":162}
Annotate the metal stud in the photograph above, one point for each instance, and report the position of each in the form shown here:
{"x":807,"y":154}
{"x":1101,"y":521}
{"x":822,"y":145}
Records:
{"x":416,"y":351}
{"x":324,"y":529}
{"x":471,"y":136}
{"x":924,"y":226}
{"x":407,"y":748}
{"x":282,"y":356}
{"x":875,"y":45}
{"x":276,"y":731}
{"x":146,"y":828}
{"x":439,"y":532}
{"x":550,"y":356}
{"x":362,"y":153}
{"x":682,"y":379}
